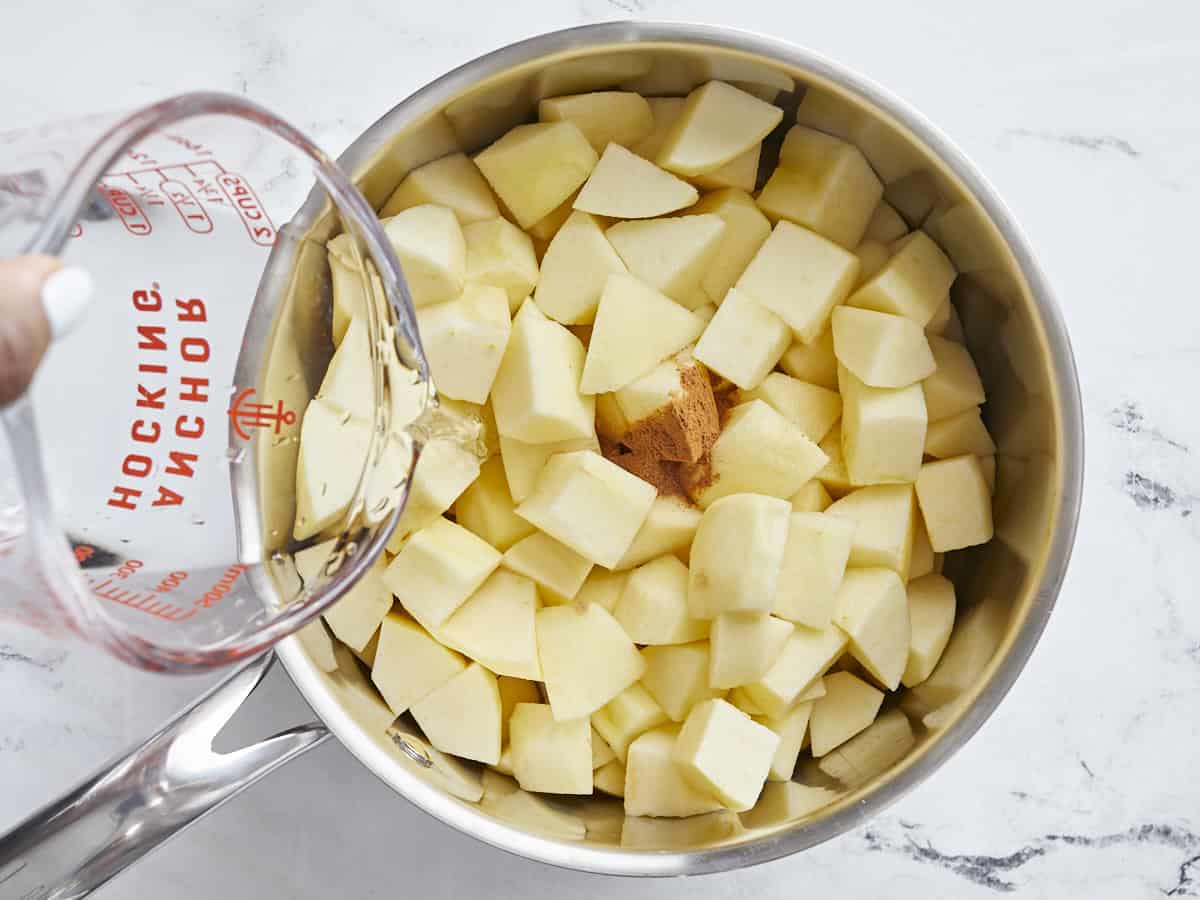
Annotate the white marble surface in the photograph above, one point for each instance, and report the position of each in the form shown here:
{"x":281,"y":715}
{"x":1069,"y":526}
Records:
{"x":1086,"y":116}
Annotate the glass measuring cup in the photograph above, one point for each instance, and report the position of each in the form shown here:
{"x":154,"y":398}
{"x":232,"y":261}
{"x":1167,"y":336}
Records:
{"x":134,"y":509}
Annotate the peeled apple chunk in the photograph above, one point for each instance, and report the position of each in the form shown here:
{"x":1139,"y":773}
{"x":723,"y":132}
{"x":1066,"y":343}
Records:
{"x":452,"y":181}
{"x":726,"y":753}
{"x":677,"y":677}
{"x":625,"y":186}
{"x":349,"y":380}
{"x":814,"y":362}
{"x":872,"y":608}
{"x":463,"y":715}
{"x":535,"y":395}
{"x":737,"y":554}
{"x":409,"y":663}
{"x":883,"y":519}
{"x":883,"y":431}
{"x":718,"y":123}
{"x":601,"y":587}
{"x":602,"y":754}
{"x":547,"y":755}
{"x":610,"y":778}
{"x":913,"y":283}
{"x":745,"y":230}
{"x":848,"y":707}
{"x":355,"y":617}
{"x":524,"y":462}
{"x":786,"y":801}
{"x":502,"y":255}
{"x":955,"y":386}
{"x":670,"y":255}
{"x":815,"y":409}
{"x":955,"y":503}
{"x":557,"y":569}
{"x":512,"y":692}
{"x":886,"y":225}
{"x":881,"y":349}
{"x":741,"y":172}
{"x":654,"y":782}
{"x":575,"y":269}
{"x":743,"y":340}
{"x":587,"y":659}
{"x":438,"y":569}
{"x":811,"y":498}
{"x":669,"y":527}
{"x":486,"y":508}
{"x":631,"y":713}
{"x":958,"y":435}
{"x":464,"y":341}
{"x":872,"y":751}
{"x":433,"y":254}
{"x":590,"y":504}
{"x":814,"y":561}
{"x":636,"y":328}
{"x":805,"y":657}
{"x":604,"y":117}
{"x":744,"y":646}
{"x":533,"y":814}
{"x":931,"y":607}
{"x":665,"y":111}
{"x":653,"y":608}
{"x":534,"y":168}
{"x":444,"y":470}
{"x":791,"y":728}
{"x":495,"y":626}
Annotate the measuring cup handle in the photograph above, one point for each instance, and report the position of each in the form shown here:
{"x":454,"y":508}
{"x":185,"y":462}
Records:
{"x":117,"y":816}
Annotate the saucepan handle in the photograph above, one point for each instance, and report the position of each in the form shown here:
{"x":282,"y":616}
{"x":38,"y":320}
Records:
{"x":121,"y":813}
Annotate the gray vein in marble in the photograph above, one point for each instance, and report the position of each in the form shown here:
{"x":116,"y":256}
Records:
{"x":1149,"y":494}
{"x":1102,"y":143}
{"x":10,"y":654}
{"x":1129,"y":418}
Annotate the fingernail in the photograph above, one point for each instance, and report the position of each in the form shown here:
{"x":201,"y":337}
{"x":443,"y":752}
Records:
{"x":65,"y":296}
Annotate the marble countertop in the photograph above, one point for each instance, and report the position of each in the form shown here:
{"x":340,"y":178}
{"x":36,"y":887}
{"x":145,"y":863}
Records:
{"x":1086,"y":117}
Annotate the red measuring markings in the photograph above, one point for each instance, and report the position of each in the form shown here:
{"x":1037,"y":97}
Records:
{"x":188,"y":207}
{"x":246,"y":415}
{"x":131,"y":215}
{"x":245,"y":201}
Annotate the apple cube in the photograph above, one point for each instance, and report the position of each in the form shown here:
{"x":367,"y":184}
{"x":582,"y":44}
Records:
{"x":453,"y":182}
{"x":739,"y":698}
{"x":601,"y":587}
{"x":533,"y":814}
{"x":883,"y":518}
{"x":824,"y":184}
{"x":834,"y":477}
{"x":438,"y":569}
{"x":677,"y":677}
{"x":737,"y":554}
{"x":557,"y":569}
{"x":631,"y":713}
{"x":610,"y":778}
{"x":670,"y":255}
{"x":501,"y":255}
{"x":800,"y":276}
{"x":590,"y":504}
{"x":931,"y":607}
{"x":746,"y":228}
{"x":625,"y":186}
{"x":848,"y":707}
{"x":575,"y":269}
{"x":587,"y":659}
{"x":523,"y":462}
{"x":409,"y":663}
{"x":602,"y":754}
{"x":486,"y":508}
{"x":959,"y":434}
{"x":664,"y":112}
{"x":791,"y":727}
{"x":913,"y":283}
{"x":355,"y":617}
{"x":872,"y":256}
{"x":886,"y":225}
{"x":654,"y":782}
{"x":349,"y":379}
{"x":718,"y":123}
{"x":636,"y":328}
{"x":495,"y":626}
{"x":883,"y":431}
{"x":444,"y":470}
{"x":955,"y":502}
{"x":726,"y":753}
{"x":743,"y":341}
{"x":814,"y":363}
{"x":921,"y":561}
{"x":550,"y":756}
{"x":815,"y":409}
{"x":534,"y":168}
{"x":914,"y":196}
{"x":653,"y":608}
{"x":743,"y":647}
{"x":512,"y":692}
{"x":954,"y":386}
{"x":318,"y":645}
{"x":604,"y":117}
{"x":741,"y":173}
{"x":610,"y":418}
{"x":669,"y":528}
{"x":814,"y":561}
{"x":941,"y":318}
{"x":535,"y":395}
{"x":348,"y":284}
{"x":544,"y":229}
{"x":805,"y":657}
{"x":367,"y":653}
{"x":760,"y":452}
{"x":787,"y":801}
{"x":462,"y":716}
{"x":464,"y":341}
{"x":870,"y":752}
{"x":880,"y":349}
{"x":811,"y":498}
{"x":872,"y":608}
{"x":433,"y":254}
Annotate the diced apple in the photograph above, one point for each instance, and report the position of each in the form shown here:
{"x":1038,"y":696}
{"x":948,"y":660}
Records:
{"x":805,"y":657}
{"x":409,"y":663}
{"x":610,"y":418}
{"x":746,"y":228}
{"x":791,"y":727}
{"x":800,"y":276}
{"x":501,"y":255}
{"x":913,"y":283}
{"x":886,"y":225}
{"x":367,"y":653}
{"x":625,"y":717}
{"x":464,"y":341}
{"x":601,"y":587}
{"x":883,"y":519}
{"x":495,"y":626}
{"x":625,"y":186}
{"x":433,"y":254}
{"x":610,"y":778}
{"x":318,"y":645}
{"x":670,"y":255}
{"x":653,"y":608}
{"x":955,"y":502}
{"x":740,"y":173}
{"x":744,"y":646}
{"x":452,"y":181}
{"x":348,"y":384}
{"x":987,"y":464}
{"x":534,"y":168}
{"x":677,"y":677}
{"x":931,"y":607}
{"x":557,"y":569}
{"x":726,"y":753}
{"x":550,"y":756}
{"x":636,"y":328}
{"x":669,"y":528}
{"x":812,"y":497}
{"x":438,"y":569}
{"x":602,"y":754}
{"x":814,"y":363}
{"x":883,"y":431}
{"x":759,"y":451}
{"x":533,"y":814}
{"x":743,"y":341}
{"x":524,"y":462}
{"x":587,"y":659}
{"x":349,"y":285}
{"x":872,"y":751}
{"x":444,"y":470}
{"x":604,"y":117}
{"x":737,"y":554}
{"x":496,"y":786}
{"x":535,"y":395}
{"x":718,"y":123}
{"x":786,"y":801}
{"x":544,"y":229}
{"x":834,"y":477}
{"x":355,"y":617}
{"x":665,"y":111}
{"x":512,"y":692}
{"x":739,"y":698}
{"x":921,"y":560}
{"x":813,"y":408}
{"x":872,"y":608}
{"x":655,"y":783}
{"x":848,"y":707}
{"x":487,"y":509}
{"x":575,"y":269}
{"x":957,"y":435}
{"x":955,"y":386}
{"x":872,"y":256}
{"x":814,"y":561}
{"x":913,"y":196}
{"x":882,"y":350}
{"x":462,"y":716}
